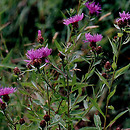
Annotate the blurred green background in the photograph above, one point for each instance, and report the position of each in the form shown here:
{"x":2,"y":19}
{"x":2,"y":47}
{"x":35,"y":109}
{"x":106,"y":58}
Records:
{"x":20,"y":20}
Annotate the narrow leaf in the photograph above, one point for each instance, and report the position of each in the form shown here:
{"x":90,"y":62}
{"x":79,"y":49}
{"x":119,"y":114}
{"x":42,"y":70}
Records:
{"x":119,"y":115}
{"x":96,"y":105}
{"x":103,"y":79}
{"x":114,"y":48}
{"x":111,"y":94}
{"x":58,"y":46}
{"x":121,"y":71}
{"x":97,"y":120}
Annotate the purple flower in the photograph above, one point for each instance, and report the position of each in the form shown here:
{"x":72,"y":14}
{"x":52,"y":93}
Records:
{"x":124,"y":19}
{"x":93,"y":8}
{"x":7,"y":90}
{"x":37,"y":55}
{"x":74,"y":20}
{"x":124,"y":15}
{"x":94,"y":38}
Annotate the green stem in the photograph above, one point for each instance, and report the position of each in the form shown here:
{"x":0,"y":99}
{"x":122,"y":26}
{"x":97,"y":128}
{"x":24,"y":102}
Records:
{"x":68,"y":97}
{"x":9,"y":120}
{"x":112,"y":84}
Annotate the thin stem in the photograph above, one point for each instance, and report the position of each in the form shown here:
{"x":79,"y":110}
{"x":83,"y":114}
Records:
{"x":9,"y":120}
{"x":105,"y":120}
{"x":68,"y":97}
{"x":48,"y":100}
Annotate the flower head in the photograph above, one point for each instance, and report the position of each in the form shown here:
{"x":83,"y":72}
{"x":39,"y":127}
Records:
{"x":74,"y":20}
{"x":93,"y":8}
{"x":7,"y":90}
{"x":95,"y":38}
{"x":37,"y":55}
{"x":124,"y":19}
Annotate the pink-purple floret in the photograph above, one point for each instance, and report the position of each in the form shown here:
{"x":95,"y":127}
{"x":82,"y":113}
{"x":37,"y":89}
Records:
{"x":93,"y":8}
{"x":123,"y":16}
{"x":94,"y":38}
{"x":37,"y":54}
{"x":7,"y":90}
{"x":73,"y":19}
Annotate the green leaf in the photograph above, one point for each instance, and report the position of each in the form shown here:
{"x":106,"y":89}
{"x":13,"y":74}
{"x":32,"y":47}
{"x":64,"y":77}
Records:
{"x":85,"y":104}
{"x":89,"y":128}
{"x":111,"y":107}
{"x":58,"y":46}
{"x":114,"y":48}
{"x":74,"y":80}
{"x":111,"y":94}
{"x":96,"y":105}
{"x":127,"y":40}
{"x":11,"y":66}
{"x":76,"y":112}
{"x":114,"y":66}
{"x":81,"y":98}
{"x":119,"y":115}
{"x":97,"y":121}
{"x":120,"y":34}
{"x":88,"y":75}
{"x":121,"y":71}
{"x":68,"y":33}
{"x":103,"y":79}
{"x":116,"y":26}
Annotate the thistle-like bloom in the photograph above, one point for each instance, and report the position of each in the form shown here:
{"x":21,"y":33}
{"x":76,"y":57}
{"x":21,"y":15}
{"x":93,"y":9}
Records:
{"x":93,"y":8}
{"x":73,"y":20}
{"x":37,"y":55}
{"x":7,"y":90}
{"x":95,"y":38}
{"x":124,"y":19}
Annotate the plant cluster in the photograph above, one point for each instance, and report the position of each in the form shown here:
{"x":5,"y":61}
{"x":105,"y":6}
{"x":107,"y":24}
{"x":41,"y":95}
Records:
{"x":54,"y":96}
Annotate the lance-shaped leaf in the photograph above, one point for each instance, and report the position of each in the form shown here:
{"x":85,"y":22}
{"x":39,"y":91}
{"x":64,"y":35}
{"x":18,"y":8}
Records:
{"x":114,"y":48}
{"x":103,"y":79}
{"x":121,"y":71}
{"x":119,"y":115}
{"x":96,"y":105}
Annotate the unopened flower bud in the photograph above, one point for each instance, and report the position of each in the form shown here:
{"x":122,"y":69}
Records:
{"x":22,"y":121}
{"x":40,"y":39}
{"x":107,"y":65}
{"x":3,"y":106}
{"x":99,"y":49}
{"x":17,"y":71}
{"x":105,"y":75}
{"x":118,"y":128}
{"x":42,"y":124}
{"x":6,"y":97}
{"x":46,"y":117}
